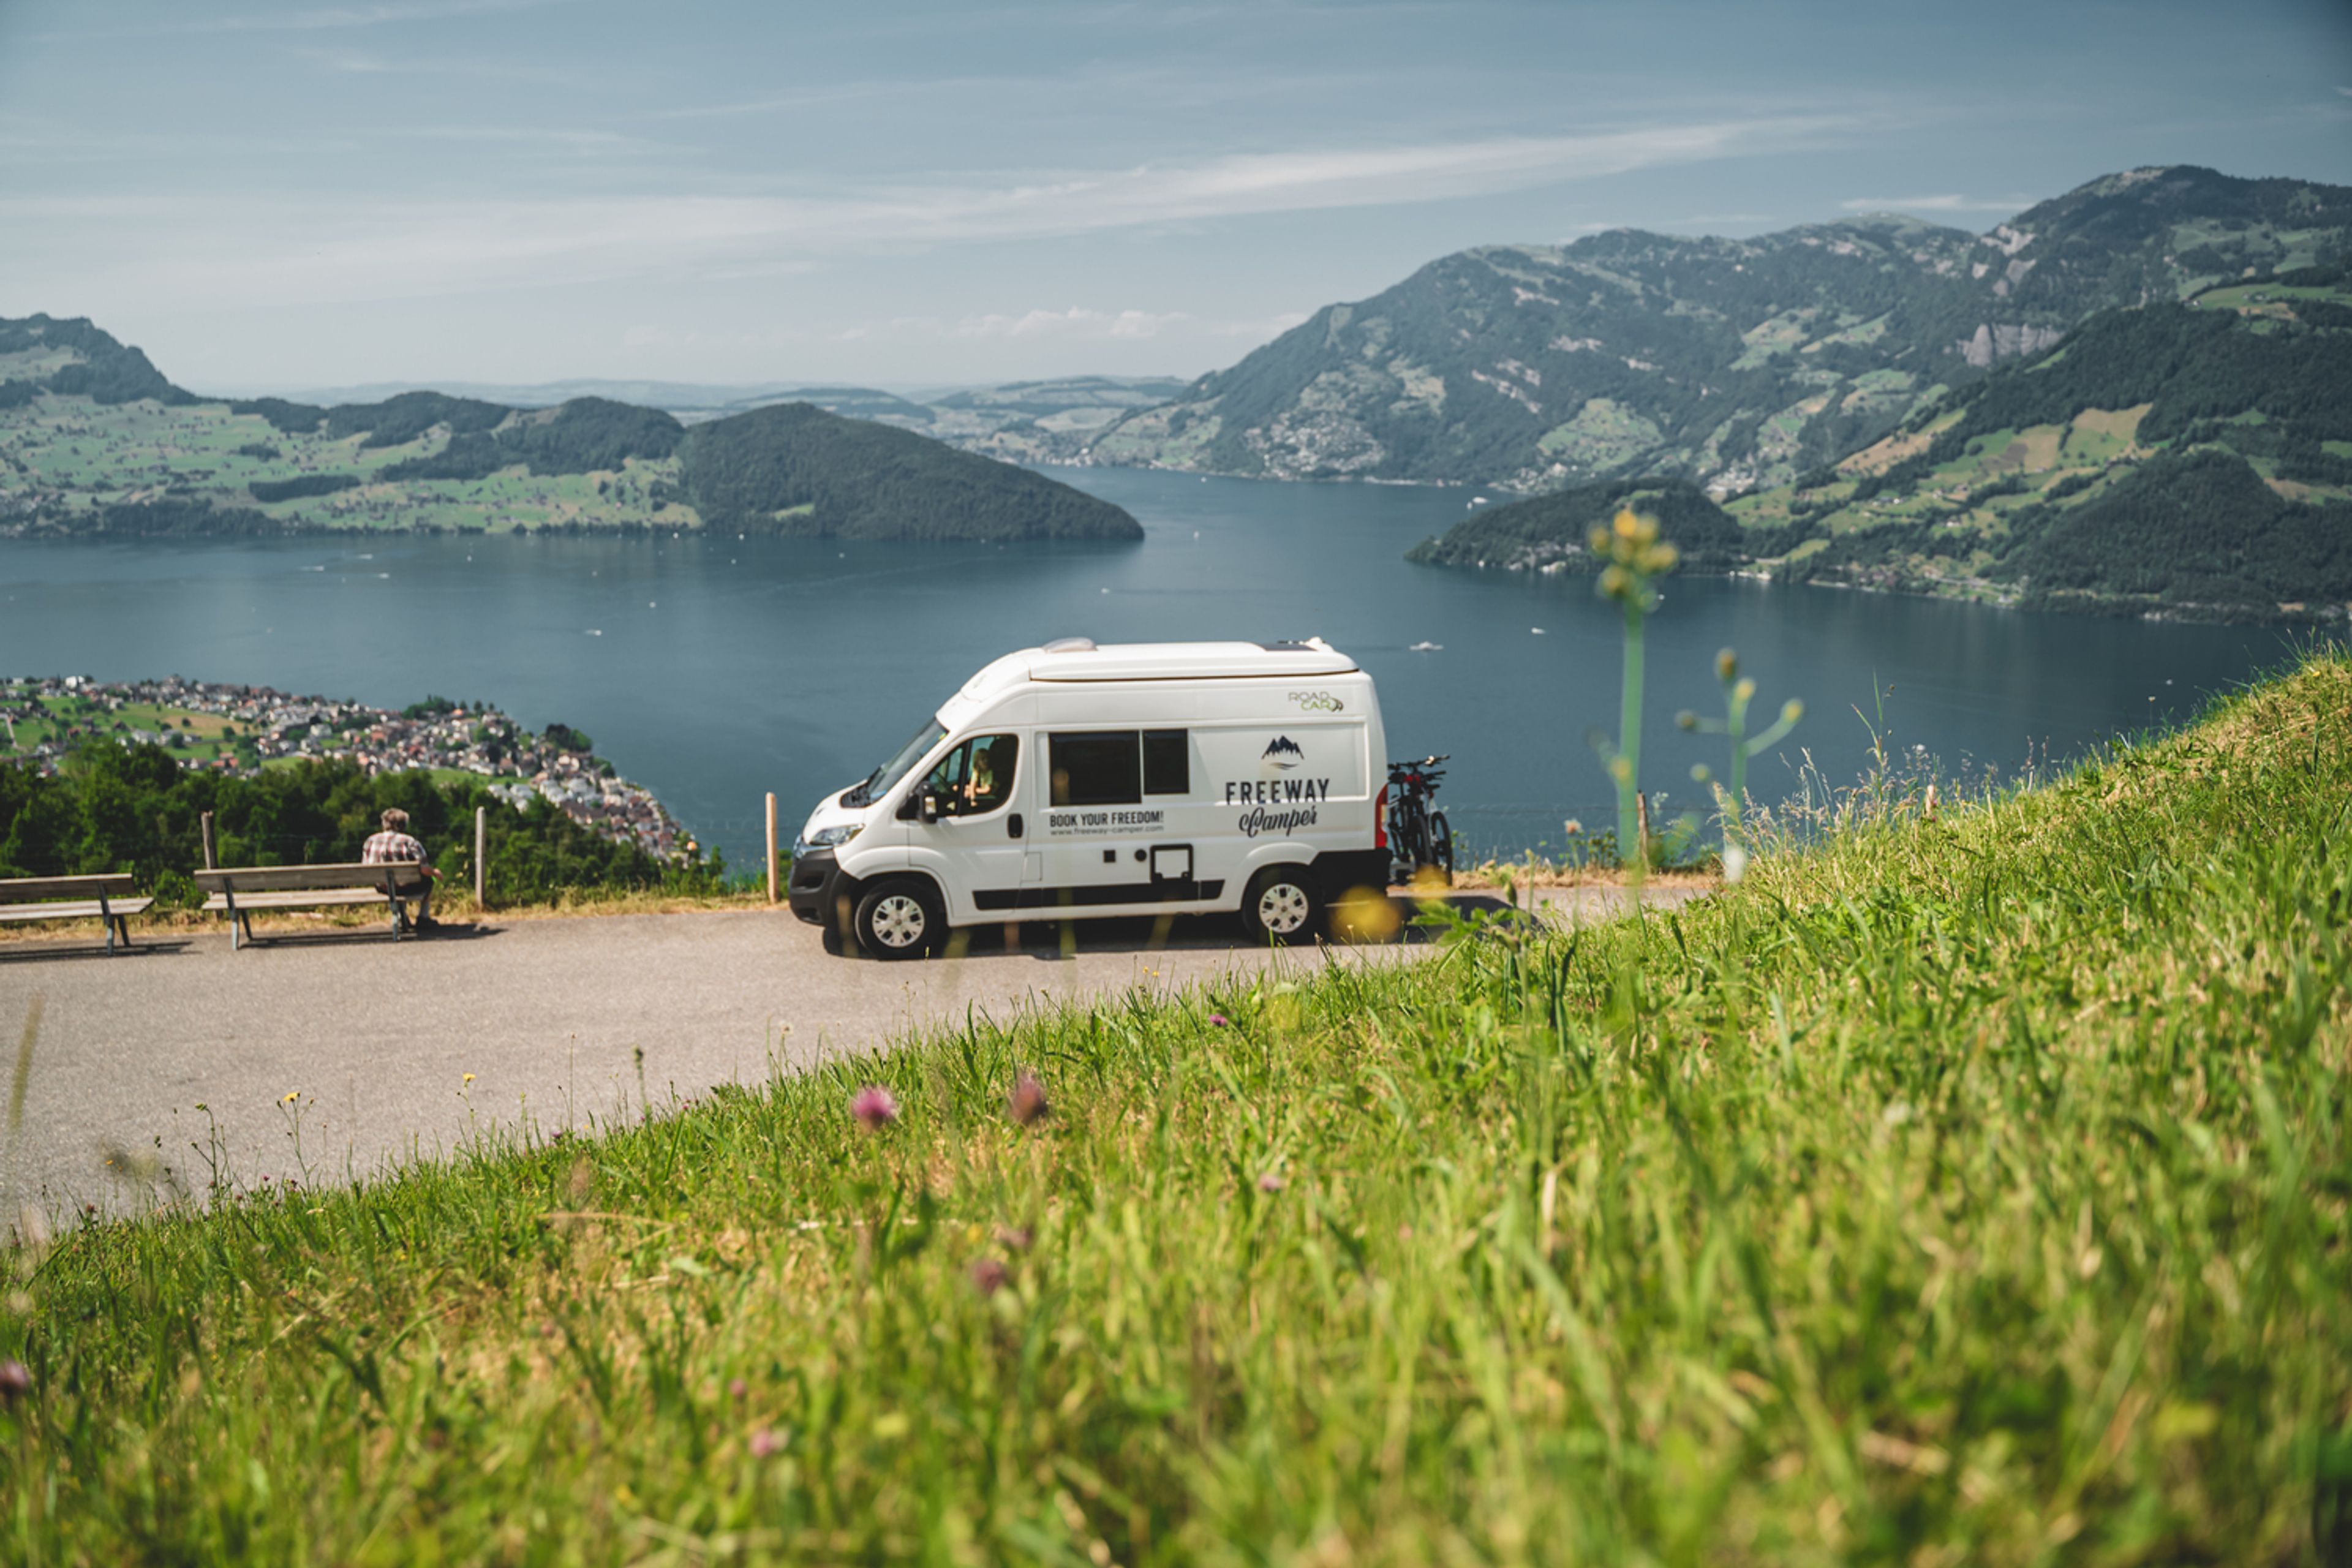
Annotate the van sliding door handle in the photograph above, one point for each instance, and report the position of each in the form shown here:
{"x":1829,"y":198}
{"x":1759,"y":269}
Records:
{"x":1013,"y":825}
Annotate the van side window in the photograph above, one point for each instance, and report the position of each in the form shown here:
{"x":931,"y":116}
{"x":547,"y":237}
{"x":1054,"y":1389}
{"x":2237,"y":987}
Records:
{"x":976,"y":777}
{"x":1102,"y":767}
{"x":1167,"y":763}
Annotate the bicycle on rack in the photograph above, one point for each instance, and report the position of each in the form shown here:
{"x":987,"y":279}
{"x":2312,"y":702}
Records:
{"x":1420,"y":838}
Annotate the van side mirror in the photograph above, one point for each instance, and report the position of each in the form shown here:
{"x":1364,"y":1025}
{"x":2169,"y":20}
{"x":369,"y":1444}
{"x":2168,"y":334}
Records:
{"x":930,"y":806}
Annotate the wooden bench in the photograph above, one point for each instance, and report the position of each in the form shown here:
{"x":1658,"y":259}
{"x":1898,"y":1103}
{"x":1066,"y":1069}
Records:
{"x":238,"y":892}
{"x":108,"y":898}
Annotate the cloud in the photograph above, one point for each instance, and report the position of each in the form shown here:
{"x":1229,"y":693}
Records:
{"x":222,"y":248}
{"x":1943,"y":204}
{"x":335,"y":17}
{"x":1076,"y":322}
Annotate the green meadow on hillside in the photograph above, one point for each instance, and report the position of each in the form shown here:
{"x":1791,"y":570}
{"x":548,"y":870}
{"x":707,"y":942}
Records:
{"x":1968,"y":1187}
{"x":2177,"y":459}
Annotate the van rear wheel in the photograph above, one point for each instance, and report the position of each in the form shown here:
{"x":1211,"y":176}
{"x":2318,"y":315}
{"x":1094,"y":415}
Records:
{"x":900,"y":917}
{"x":1282,"y":906}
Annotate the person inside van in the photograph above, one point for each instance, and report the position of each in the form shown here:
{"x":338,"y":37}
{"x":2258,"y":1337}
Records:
{"x":981,"y":790}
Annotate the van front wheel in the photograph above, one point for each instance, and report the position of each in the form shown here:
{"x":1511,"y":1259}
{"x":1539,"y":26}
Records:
{"x":1281,"y":906}
{"x":900,"y":918}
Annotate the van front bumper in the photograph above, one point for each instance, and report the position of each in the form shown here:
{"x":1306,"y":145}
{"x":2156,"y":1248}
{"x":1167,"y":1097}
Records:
{"x":815,"y":875}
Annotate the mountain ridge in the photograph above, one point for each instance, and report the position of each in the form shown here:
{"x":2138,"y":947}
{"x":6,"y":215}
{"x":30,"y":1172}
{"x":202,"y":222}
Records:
{"x":1735,"y":363}
{"x":170,"y":462}
{"x":2189,"y":459}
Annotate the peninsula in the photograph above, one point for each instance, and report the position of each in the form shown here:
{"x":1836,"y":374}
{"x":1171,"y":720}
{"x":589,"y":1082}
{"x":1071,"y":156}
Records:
{"x":94,"y":440}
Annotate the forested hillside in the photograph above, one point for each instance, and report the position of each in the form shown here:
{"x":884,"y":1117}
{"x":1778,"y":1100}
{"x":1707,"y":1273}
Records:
{"x":2180,"y":458}
{"x":95,"y":440}
{"x":797,"y":468}
{"x":1738,"y":363}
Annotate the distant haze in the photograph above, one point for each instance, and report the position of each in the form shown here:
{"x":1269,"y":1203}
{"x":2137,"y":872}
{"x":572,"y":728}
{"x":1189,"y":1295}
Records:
{"x":739,"y":196}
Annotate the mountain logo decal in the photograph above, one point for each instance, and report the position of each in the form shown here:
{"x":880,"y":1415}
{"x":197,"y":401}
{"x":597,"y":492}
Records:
{"x":1283,"y":752}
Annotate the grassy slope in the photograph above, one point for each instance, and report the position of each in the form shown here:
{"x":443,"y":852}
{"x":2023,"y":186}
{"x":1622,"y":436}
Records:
{"x":2004,"y":472}
{"x":81,"y":715}
{"x":1976,"y":1182}
{"x":91,"y":453}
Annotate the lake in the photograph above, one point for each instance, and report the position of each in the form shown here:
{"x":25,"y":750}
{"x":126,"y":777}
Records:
{"x":713,"y":670}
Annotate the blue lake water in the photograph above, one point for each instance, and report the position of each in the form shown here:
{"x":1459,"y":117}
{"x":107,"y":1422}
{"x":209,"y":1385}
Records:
{"x":713,"y":670}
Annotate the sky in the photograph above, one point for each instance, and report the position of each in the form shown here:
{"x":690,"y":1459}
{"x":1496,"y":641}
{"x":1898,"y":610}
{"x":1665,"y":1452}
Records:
{"x":287,"y":193}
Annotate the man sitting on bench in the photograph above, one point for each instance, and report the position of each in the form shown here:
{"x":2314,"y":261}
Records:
{"x":393,"y":846}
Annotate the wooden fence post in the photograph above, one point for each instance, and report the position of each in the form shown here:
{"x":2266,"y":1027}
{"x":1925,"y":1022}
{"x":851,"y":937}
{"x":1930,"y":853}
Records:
{"x":772,"y":847}
{"x":205,"y":822}
{"x":481,"y":857}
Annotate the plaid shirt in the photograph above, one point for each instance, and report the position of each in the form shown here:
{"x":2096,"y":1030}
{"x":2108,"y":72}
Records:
{"x":390,"y":849}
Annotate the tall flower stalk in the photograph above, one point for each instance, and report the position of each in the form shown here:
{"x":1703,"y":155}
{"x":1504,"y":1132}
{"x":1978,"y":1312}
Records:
{"x":1739,"y":691}
{"x":1636,"y":557}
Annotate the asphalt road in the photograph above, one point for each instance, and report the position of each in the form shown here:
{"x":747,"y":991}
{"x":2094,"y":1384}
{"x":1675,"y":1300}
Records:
{"x":144,"y":1062}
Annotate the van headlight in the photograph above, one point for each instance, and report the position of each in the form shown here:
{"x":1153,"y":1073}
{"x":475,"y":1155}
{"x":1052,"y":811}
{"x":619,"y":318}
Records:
{"x":830,"y":838}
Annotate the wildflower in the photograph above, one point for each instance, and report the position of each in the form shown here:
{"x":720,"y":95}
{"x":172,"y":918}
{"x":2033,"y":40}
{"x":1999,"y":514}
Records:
{"x":988,"y":1274}
{"x":873,"y":1108}
{"x":15,"y":1381}
{"x":1016,"y":1238}
{"x":1219,"y":1021}
{"x":469,"y":1077}
{"x":291,"y":1096}
{"x":1027,"y":1103}
{"x":765,"y":1442}
{"x":1575,"y":827}
{"x":1270,"y":1183}
{"x":737,"y":1388}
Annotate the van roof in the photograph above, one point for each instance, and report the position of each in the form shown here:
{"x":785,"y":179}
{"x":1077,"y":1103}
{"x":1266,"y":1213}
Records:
{"x":1080,"y":658}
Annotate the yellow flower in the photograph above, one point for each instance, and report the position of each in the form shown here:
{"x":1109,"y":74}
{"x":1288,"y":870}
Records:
{"x":469,"y":1077}
{"x":291,"y":1096}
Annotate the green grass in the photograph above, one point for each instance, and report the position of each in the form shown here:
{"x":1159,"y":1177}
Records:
{"x":81,"y":715}
{"x":1966,"y":1189}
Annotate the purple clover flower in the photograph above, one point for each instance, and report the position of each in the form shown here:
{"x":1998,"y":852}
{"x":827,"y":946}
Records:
{"x":1027,"y":1103}
{"x":873,"y":1108}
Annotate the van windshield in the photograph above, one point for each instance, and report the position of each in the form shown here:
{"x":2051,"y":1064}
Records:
{"x":883,"y":779}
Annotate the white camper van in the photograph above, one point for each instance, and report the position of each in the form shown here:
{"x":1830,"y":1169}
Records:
{"x":1073,"y":780}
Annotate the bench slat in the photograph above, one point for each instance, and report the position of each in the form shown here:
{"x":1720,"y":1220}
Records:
{"x":244,"y":879}
{"x":119,"y":908}
{"x":295,"y":899}
{"x":28,"y":890}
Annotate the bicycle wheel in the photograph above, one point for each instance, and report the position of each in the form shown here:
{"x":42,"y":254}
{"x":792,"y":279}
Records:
{"x":1411,"y":841}
{"x":1441,"y":844}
